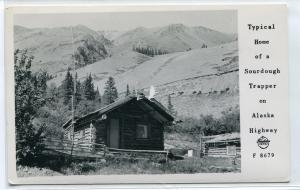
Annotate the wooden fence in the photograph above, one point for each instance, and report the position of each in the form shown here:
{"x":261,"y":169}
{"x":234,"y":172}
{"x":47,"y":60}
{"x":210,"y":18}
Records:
{"x":77,"y":150}
{"x":94,"y":150}
{"x":221,"y":152}
{"x":139,"y":154}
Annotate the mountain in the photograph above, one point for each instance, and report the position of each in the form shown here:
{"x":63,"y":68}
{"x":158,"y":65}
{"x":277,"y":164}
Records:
{"x":111,"y":34}
{"x":53,"y":48}
{"x":172,"y":38}
{"x":200,"y":70}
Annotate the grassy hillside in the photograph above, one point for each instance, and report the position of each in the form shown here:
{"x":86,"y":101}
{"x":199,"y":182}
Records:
{"x":53,"y":48}
{"x":199,"y":80}
{"x":173,"y":38}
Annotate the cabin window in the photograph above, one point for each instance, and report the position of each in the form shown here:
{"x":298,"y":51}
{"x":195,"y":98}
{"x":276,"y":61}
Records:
{"x":142,"y":132}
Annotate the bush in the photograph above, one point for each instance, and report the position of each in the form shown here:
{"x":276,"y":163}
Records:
{"x":208,"y":124}
{"x":83,"y":167}
{"x":29,"y":97}
{"x":29,"y":146}
{"x":184,"y":166}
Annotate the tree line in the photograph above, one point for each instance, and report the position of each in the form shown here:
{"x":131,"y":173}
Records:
{"x":149,"y":51}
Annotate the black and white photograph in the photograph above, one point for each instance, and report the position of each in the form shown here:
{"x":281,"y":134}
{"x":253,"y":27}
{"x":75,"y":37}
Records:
{"x":116,"y":93}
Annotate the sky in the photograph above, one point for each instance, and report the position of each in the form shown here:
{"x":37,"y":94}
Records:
{"x":220,"y":20}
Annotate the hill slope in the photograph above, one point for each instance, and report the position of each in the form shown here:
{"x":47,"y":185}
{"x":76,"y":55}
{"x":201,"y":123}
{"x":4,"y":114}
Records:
{"x":52,"y":47}
{"x":172,"y":38}
{"x":199,"y":80}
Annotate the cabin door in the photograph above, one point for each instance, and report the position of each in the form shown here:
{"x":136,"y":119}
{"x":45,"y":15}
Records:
{"x":114,"y":132}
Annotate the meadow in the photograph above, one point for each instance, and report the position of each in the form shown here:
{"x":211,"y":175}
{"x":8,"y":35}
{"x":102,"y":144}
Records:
{"x":120,"y":167}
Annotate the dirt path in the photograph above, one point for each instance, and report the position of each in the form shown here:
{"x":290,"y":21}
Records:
{"x":163,"y":65}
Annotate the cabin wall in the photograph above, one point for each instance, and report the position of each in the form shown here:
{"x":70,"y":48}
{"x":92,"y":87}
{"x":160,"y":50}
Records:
{"x":130,"y":116}
{"x":68,"y":133}
{"x":221,"y":149}
{"x":83,"y":134}
{"x":129,"y":138}
{"x":101,"y":132}
{"x":98,"y":133}
{"x":221,"y":152}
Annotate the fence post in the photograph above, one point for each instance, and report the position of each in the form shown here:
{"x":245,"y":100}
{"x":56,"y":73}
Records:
{"x":167,"y":156}
{"x":200,"y":144}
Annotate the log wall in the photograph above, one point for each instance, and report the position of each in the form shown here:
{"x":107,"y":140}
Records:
{"x":221,"y":152}
{"x":129,"y":117}
{"x":101,"y":132}
{"x":129,"y":138}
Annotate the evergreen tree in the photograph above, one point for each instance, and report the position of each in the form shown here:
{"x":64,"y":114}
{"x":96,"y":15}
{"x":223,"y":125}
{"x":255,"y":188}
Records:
{"x":127,"y":90}
{"x":78,"y":93}
{"x":52,"y":95}
{"x":41,"y":82}
{"x":171,"y":107}
{"x":152,"y":52}
{"x":98,"y":96}
{"x":88,"y":85}
{"x":143,"y":51}
{"x":68,"y":87}
{"x":160,"y":52}
{"x":110,"y":91}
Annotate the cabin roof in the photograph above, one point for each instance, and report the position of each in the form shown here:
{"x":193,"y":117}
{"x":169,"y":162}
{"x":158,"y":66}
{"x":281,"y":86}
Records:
{"x":224,"y":137}
{"x":150,"y":105}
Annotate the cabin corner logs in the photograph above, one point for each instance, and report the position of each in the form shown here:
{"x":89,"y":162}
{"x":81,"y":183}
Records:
{"x":135,"y":125}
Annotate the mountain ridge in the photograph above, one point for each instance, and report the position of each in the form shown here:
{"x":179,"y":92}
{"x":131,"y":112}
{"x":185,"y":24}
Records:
{"x":200,"y":63}
{"x":173,"y":37}
{"x":53,"y":47}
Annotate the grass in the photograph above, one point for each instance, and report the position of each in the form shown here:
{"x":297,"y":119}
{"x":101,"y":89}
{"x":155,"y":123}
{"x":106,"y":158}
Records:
{"x":181,"y":140}
{"x":117,"y":166}
{"x":25,"y":171}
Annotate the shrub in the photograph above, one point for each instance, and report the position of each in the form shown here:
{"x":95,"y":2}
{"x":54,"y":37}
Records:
{"x":193,"y":165}
{"x":29,"y":97}
{"x":208,"y":124}
{"x":81,"y":168}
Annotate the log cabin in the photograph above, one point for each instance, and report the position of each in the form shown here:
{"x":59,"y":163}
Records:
{"x":133,"y":122}
{"x":223,"y":145}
